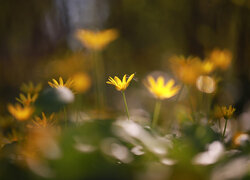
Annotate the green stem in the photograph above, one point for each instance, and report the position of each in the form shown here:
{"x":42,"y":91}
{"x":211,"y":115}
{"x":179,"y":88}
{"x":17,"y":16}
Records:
{"x":65,"y":116}
{"x":125,"y":103}
{"x":225,"y":127}
{"x":99,"y":74}
{"x":179,"y":94}
{"x":156,"y":113}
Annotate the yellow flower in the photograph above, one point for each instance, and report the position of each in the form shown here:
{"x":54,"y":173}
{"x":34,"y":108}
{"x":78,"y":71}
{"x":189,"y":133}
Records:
{"x":44,"y":121}
{"x":31,"y":88}
{"x":96,"y":40}
{"x":227,"y":112}
{"x":81,"y":82}
{"x":120,"y":85}
{"x":27,"y":100}
{"x":221,"y":58}
{"x":207,"y":66}
{"x":220,"y":112}
{"x":19,"y":112}
{"x":60,"y":83}
{"x":186,"y":69}
{"x":161,"y":90}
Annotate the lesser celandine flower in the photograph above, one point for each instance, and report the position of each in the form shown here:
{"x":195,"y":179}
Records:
{"x":43,"y":122}
{"x":207,"y":67}
{"x":227,"y":113}
{"x":121,"y":85}
{"x":96,"y":40}
{"x":160,"y":90}
{"x":60,"y":83}
{"x":81,"y":82}
{"x":186,"y":69}
{"x":27,"y":100}
{"x":21,"y":113}
{"x":31,"y":88}
{"x":221,"y":58}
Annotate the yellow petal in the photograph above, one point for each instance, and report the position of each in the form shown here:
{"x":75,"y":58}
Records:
{"x":130,"y":78}
{"x":124,"y":79}
{"x":118,"y":81}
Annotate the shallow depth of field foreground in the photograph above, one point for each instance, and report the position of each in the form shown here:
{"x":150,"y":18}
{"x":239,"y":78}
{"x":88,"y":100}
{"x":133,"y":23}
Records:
{"x":125,"y":90}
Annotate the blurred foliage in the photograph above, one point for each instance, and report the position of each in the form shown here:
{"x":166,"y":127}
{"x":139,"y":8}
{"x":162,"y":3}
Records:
{"x":192,"y":55}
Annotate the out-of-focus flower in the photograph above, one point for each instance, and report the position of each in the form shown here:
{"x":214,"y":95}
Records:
{"x":43,"y":122}
{"x":81,"y":82}
{"x":207,"y":67}
{"x":205,"y":84}
{"x":27,"y":100}
{"x":96,"y":40}
{"x":19,"y":112}
{"x":221,"y":58}
{"x":30,"y":88}
{"x":120,"y":85}
{"x":220,"y":112}
{"x":161,"y":90}
{"x":187,"y":69}
{"x":227,"y":112}
{"x":240,"y":139}
{"x":40,"y":144}
{"x":60,"y":83}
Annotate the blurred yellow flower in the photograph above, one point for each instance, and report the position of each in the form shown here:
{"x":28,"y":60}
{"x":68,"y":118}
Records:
{"x":31,"y":88}
{"x":206,"y":84}
{"x":221,"y":58}
{"x":81,"y":82}
{"x":240,"y":139}
{"x":220,"y":112}
{"x":19,"y":112}
{"x":186,"y":69}
{"x":207,"y":67}
{"x":161,"y":90}
{"x":120,"y":85}
{"x":96,"y":40}
{"x":60,"y":83}
{"x":27,"y":100}
{"x":44,"y":121}
{"x":227,"y":112}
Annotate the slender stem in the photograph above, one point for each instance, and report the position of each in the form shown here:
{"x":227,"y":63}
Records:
{"x":225,"y":127}
{"x":65,"y":116}
{"x":125,"y":103}
{"x":99,"y":74}
{"x":156,"y":113}
{"x":179,"y":94}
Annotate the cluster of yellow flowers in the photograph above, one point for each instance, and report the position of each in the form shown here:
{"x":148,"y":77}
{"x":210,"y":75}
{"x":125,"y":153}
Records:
{"x":193,"y":70}
{"x":24,"y":110}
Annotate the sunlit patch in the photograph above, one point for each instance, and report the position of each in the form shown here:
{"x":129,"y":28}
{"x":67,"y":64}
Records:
{"x":157,"y":145}
{"x":113,"y":148}
{"x":137,"y":150}
{"x":233,"y":169}
{"x":241,"y":139}
{"x":206,"y":84}
{"x":211,"y":156}
{"x":168,"y":161}
{"x":83,"y":147}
